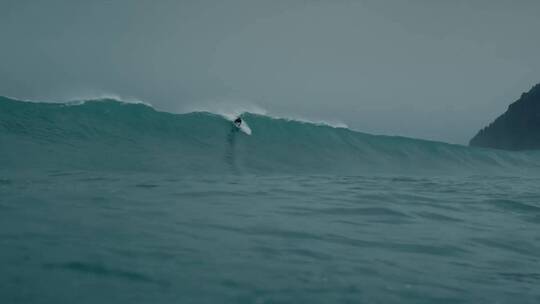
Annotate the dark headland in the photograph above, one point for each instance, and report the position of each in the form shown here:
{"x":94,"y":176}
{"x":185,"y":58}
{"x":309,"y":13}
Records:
{"x":517,"y":129}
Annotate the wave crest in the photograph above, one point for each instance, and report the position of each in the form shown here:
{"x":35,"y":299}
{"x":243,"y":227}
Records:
{"x":107,"y":134}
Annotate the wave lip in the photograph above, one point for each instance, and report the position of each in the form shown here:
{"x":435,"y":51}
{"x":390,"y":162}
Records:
{"x":108,"y":134}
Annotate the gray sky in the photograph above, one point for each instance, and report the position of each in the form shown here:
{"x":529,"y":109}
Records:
{"x":420,"y":68}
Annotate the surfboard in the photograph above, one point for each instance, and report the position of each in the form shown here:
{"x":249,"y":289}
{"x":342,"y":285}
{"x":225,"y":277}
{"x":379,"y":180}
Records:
{"x":243,"y":127}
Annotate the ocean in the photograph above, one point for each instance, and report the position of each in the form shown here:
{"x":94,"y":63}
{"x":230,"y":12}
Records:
{"x":110,"y":202}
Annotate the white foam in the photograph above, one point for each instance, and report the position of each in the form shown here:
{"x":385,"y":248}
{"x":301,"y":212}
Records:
{"x":337,"y":125}
{"x":80,"y":100}
{"x":18,"y":98}
{"x":231,"y":109}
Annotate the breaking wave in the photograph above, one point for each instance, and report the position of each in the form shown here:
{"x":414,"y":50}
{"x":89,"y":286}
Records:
{"x":108,"y":134}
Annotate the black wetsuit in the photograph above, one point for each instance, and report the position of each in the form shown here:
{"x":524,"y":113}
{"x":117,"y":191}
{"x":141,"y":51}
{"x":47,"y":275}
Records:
{"x":238,"y":121}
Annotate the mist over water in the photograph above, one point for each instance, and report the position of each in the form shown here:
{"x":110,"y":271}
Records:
{"x":112,"y":202}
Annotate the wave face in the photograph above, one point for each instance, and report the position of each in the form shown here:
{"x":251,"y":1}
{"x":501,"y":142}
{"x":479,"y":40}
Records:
{"x":111,"y":135}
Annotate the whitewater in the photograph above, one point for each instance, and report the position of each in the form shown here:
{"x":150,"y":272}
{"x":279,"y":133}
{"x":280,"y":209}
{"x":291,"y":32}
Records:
{"x":111,"y":202}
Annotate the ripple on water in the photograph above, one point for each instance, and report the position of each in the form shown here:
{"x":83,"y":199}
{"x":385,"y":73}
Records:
{"x":102,"y":270}
{"x":513,"y":205}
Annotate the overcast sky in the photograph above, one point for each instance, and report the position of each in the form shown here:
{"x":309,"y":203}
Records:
{"x":420,"y":68}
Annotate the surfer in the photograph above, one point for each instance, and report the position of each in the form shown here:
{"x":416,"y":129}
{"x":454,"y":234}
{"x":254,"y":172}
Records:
{"x":240,"y":125}
{"x":238,"y":122}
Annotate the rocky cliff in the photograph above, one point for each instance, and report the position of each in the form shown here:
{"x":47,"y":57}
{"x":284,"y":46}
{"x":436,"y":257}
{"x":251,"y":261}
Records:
{"x":517,"y":129}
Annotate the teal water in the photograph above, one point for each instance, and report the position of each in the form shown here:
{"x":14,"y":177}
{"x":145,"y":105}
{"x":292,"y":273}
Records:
{"x":114,"y":203}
